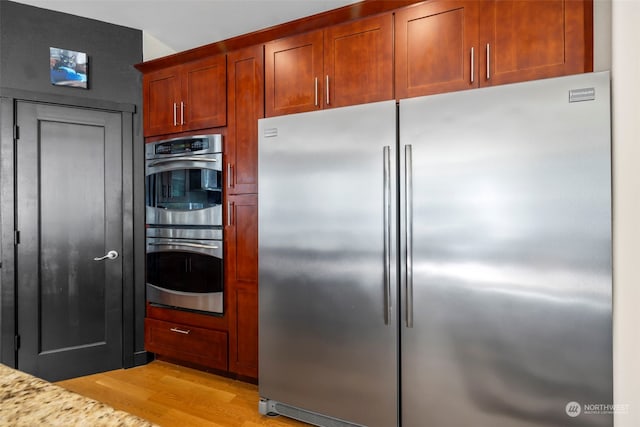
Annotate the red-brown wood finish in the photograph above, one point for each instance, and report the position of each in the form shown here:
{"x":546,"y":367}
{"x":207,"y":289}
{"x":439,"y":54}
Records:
{"x":435,"y":45}
{"x":245,"y":86}
{"x":533,"y":39}
{"x":358,"y":62}
{"x":431,"y":54}
{"x":187,"y":317}
{"x":346,"y":64}
{"x":309,"y":23}
{"x":293,"y":74}
{"x":161,"y":93}
{"x":186,"y":97}
{"x":205,"y":93}
{"x":241,"y":270}
{"x":194,"y":344}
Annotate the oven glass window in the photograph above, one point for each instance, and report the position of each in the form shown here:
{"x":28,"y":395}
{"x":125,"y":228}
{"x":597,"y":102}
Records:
{"x":184,"y":189}
{"x":185,"y":271}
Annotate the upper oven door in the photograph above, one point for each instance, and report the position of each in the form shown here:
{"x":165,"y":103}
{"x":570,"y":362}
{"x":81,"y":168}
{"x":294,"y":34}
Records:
{"x":184,"y":190}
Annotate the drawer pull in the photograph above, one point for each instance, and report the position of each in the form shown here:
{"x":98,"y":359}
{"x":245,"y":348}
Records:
{"x":181,"y":331}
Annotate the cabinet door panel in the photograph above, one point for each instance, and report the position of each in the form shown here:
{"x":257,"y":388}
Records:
{"x":532,"y":39}
{"x":243,"y":351}
{"x":161,"y":93}
{"x":241,"y":257}
{"x":246,"y":106}
{"x":434,"y":44}
{"x":205,"y":93}
{"x":293,"y":74}
{"x":358,"y":61}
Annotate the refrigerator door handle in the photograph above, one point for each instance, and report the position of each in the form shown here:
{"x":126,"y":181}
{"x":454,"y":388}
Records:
{"x":386,"y":154}
{"x":408,"y":182}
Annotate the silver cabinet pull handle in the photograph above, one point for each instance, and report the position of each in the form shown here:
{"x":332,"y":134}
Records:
{"x":316,"y":91}
{"x":109,"y":255}
{"x":472,"y":65}
{"x":488,"y":61}
{"x":229,"y":211}
{"x":386,"y":200}
{"x":229,"y":176}
{"x":181,"y":331}
{"x":181,"y":113}
{"x":408,"y":182}
{"x":175,"y":119}
{"x":327,"y":89}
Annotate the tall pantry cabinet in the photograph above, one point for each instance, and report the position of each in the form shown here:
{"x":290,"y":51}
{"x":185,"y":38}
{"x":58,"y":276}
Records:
{"x":246,"y":106}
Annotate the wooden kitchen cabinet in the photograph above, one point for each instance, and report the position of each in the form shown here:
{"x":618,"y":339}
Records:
{"x":293,"y":74}
{"x":448,"y":45}
{"x":346,"y":64}
{"x":358,"y":62}
{"x":187,"y":336}
{"x":245,"y":85}
{"x":185,"y":97}
{"x":436,"y":47}
{"x":241,"y":270}
{"x":533,"y":39}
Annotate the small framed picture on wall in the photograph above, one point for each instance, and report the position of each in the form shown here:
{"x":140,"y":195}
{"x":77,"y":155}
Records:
{"x":68,"y":68}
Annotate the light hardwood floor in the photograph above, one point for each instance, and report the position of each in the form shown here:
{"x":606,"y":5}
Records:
{"x":172,"y":395}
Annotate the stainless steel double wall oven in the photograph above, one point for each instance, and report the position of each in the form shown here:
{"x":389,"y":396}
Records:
{"x":184,"y":223}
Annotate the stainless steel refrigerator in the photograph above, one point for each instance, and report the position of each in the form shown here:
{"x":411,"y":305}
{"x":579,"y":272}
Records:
{"x":443,"y":262}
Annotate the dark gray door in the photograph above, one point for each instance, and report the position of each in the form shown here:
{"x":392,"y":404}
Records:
{"x":69,"y":212}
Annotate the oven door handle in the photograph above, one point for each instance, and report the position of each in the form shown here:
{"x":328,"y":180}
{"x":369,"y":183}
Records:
{"x":188,"y":245}
{"x":181,"y":159}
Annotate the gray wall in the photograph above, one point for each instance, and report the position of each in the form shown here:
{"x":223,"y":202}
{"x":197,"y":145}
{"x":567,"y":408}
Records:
{"x":26,"y":33}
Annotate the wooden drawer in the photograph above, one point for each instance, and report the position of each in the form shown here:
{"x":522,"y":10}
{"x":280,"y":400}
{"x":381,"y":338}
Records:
{"x":204,"y":347}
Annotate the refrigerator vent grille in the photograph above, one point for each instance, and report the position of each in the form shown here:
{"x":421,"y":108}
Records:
{"x":311,"y":417}
{"x":271,"y":133}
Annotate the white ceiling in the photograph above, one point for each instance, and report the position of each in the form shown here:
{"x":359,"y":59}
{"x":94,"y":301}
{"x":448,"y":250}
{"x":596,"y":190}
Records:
{"x":171,"y":26}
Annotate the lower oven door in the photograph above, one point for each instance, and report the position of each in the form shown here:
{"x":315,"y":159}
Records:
{"x":185,"y":273}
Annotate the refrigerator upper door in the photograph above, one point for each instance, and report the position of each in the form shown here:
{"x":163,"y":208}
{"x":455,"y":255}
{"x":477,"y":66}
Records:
{"x":327,"y":267}
{"x":507,"y":213}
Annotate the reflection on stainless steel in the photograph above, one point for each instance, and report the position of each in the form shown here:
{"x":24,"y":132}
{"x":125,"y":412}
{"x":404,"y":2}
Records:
{"x":205,"y":247}
{"x":324,"y":344}
{"x":210,"y":301}
{"x":185,"y":268}
{"x":208,"y":216}
{"x":500,"y":249}
{"x":184,"y":265}
{"x":512,"y":256}
{"x":173,"y":161}
{"x":205,"y":233}
{"x":184,"y":181}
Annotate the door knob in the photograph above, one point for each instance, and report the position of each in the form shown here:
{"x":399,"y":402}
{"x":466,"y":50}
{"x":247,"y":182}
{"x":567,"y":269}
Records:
{"x":109,"y":255}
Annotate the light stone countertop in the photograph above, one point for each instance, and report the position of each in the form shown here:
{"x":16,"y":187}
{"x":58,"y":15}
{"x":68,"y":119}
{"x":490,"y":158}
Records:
{"x":29,"y":401}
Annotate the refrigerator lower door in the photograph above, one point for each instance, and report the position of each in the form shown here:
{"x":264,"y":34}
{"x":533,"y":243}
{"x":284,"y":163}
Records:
{"x":507,"y":214}
{"x":328,"y":335}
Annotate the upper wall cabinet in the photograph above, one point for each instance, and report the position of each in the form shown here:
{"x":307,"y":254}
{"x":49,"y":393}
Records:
{"x":186,"y":97}
{"x":447,"y":45}
{"x":436,"y":45}
{"x":532,"y":39}
{"x":346,"y":64}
